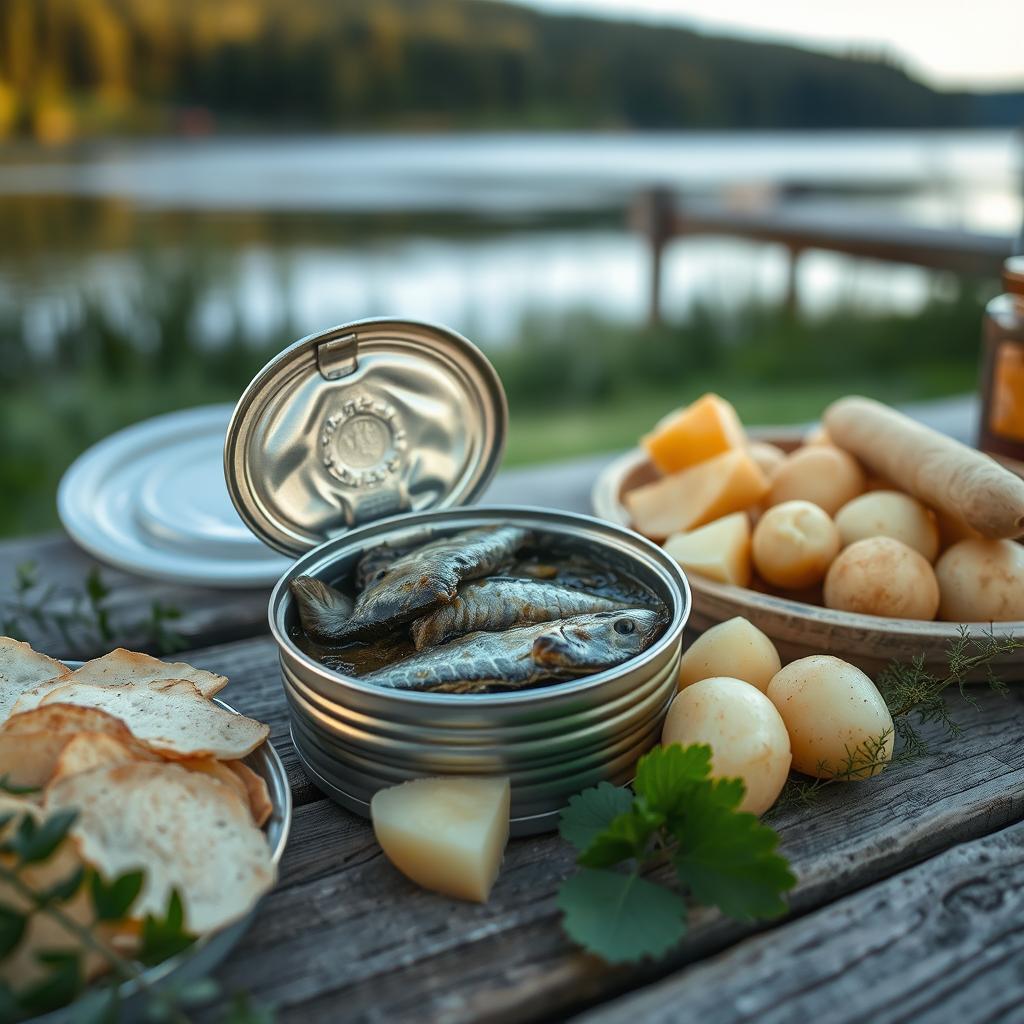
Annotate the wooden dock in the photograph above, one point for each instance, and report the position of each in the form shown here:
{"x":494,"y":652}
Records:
{"x":658,"y":215}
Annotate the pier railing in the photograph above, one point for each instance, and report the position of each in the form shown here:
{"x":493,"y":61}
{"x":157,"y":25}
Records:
{"x":658,"y":215}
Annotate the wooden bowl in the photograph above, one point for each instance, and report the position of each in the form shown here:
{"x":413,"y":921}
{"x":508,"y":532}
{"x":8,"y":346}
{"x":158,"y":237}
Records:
{"x":799,"y":629}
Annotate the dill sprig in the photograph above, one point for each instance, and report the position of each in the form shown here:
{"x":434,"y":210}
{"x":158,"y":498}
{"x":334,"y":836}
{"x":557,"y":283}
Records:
{"x":916,"y":697}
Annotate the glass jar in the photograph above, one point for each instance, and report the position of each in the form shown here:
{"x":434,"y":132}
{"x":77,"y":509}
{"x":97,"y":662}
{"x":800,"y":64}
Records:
{"x":1002,"y":371}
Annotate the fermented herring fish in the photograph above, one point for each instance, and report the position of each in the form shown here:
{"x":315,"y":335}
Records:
{"x":501,"y":602}
{"x":525,"y":656}
{"x":415,"y":584}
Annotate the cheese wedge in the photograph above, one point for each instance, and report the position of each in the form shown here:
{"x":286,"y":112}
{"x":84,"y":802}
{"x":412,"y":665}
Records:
{"x":729,"y":482}
{"x":446,"y":834}
{"x":719,"y":551}
{"x":702,"y":430}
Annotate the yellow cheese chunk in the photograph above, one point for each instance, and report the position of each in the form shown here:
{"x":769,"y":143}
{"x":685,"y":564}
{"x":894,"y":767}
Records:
{"x":702,"y":430}
{"x":719,"y":551}
{"x":446,"y":834}
{"x":729,"y":482}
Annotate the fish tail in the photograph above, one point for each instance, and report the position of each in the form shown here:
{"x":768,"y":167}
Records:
{"x":323,"y":610}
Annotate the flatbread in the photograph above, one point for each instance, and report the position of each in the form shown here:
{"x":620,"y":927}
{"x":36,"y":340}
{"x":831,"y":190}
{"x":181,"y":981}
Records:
{"x":28,"y":759}
{"x":172,"y":718}
{"x":21,"y":669}
{"x":119,"y":667}
{"x":90,"y":750}
{"x":67,"y":720}
{"x":186,"y":829}
{"x":256,"y":791}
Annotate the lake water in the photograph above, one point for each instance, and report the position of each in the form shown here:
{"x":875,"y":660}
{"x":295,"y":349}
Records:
{"x":477,"y":231}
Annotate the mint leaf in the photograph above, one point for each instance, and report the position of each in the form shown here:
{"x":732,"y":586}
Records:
{"x":12,"y":928}
{"x":33,"y":843}
{"x":663,"y":776}
{"x":626,"y":838}
{"x":591,"y":812}
{"x":621,"y":917}
{"x":61,"y":891}
{"x":727,"y":858}
{"x":112,"y":900}
{"x":164,"y":937}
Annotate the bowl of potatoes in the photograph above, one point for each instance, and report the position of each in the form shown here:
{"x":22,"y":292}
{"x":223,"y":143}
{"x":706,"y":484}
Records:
{"x":869,"y":538}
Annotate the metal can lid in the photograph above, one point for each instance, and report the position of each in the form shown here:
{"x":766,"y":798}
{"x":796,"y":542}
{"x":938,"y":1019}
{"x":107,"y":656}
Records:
{"x":359,"y":422}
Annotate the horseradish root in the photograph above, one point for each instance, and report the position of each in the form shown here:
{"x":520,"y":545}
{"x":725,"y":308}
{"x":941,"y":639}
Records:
{"x":941,"y":472}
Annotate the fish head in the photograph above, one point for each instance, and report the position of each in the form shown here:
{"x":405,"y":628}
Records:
{"x":588,"y":643}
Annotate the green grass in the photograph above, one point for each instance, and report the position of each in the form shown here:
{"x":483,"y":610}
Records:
{"x":546,"y":435}
{"x":576,"y":384}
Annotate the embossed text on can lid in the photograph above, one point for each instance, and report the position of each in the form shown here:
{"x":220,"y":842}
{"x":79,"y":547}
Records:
{"x":362,"y":421}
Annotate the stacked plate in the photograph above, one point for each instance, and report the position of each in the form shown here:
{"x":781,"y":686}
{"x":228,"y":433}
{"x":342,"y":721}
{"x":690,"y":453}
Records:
{"x":151,"y":499}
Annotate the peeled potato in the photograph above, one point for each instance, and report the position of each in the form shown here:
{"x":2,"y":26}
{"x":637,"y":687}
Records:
{"x":837,"y":721}
{"x":889,"y":514}
{"x":446,"y":834}
{"x":768,"y":456}
{"x":821,"y":473}
{"x":794,"y":544}
{"x":882,"y":576}
{"x":982,"y":581}
{"x":735,"y":648}
{"x":817,"y":435}
{"x":719,"y":551}
{"x":747,"y":736}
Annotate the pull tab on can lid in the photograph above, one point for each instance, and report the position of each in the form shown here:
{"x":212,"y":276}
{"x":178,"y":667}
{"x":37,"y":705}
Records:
{"x":359,"y":422}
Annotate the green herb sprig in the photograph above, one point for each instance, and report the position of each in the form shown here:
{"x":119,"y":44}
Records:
{"x":81,"y":616}
{"x":676,"y":815}
{"x":916,"y":697}
{"x":30,"y":842}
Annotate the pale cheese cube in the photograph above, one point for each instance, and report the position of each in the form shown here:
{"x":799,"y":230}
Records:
{"x":719,"y":551}
{"x":705,"y":428}
{"x":446,"y":834}
{"x":729,"y":482}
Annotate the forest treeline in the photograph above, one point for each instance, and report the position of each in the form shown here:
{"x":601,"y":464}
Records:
{"x":81,"y":67}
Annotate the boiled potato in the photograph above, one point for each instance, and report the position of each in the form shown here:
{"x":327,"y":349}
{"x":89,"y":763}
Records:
{"x":447,"y":834}
{"x":768,"y":456}
{"x":719,"y":551}
{"x":837,"y":721}
{"x":821,"y":473}
{"x":747,"y":736}
{"x":889,"y":514}
{"x":882,"y":576}
{"x":735,"y":648}
{"x":817,"y":435}
{"x":982,"y":581}
{"x":794,"y":544}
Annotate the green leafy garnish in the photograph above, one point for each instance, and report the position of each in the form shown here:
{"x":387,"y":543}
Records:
{"x":621,"y":917}
{"x":677,"y":814}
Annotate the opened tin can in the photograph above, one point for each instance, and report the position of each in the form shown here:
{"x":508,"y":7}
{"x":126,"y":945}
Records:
{"x":369,"y":433}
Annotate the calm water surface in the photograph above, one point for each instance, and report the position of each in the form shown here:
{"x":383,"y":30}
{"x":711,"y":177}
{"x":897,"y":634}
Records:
{"x":476,"y":231}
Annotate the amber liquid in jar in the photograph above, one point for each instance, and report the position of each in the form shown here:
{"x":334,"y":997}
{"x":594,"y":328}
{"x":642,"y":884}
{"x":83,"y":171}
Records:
{"x":1002,"y":371}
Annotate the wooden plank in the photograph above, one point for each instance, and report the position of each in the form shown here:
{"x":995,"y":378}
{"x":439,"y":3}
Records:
{"x":345,"y":934}
{"x":965,"y":252}
{"x":939,"y":942}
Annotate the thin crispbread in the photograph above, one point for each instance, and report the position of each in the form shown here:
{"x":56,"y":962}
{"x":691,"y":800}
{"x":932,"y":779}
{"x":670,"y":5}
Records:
{"x":90,"y":750}
{"x":172,"y":718}
{"x":256,"y":791}
{"x":118,"y":667}
{"x":188,"y":830}
{"x":22,"y":669}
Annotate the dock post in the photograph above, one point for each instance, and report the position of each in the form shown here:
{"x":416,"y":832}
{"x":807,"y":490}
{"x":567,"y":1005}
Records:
{"x":653,"y":214}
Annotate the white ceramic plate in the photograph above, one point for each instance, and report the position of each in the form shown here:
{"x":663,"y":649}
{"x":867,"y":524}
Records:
{"x":151,"y":500}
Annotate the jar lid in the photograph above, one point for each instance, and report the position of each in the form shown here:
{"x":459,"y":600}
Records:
{"x":359,"y":422}
{"x":1013,"y":275}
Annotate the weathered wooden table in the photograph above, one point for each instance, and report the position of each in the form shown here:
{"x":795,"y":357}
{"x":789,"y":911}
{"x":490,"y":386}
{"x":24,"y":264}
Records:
{"x":909,"y":905}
